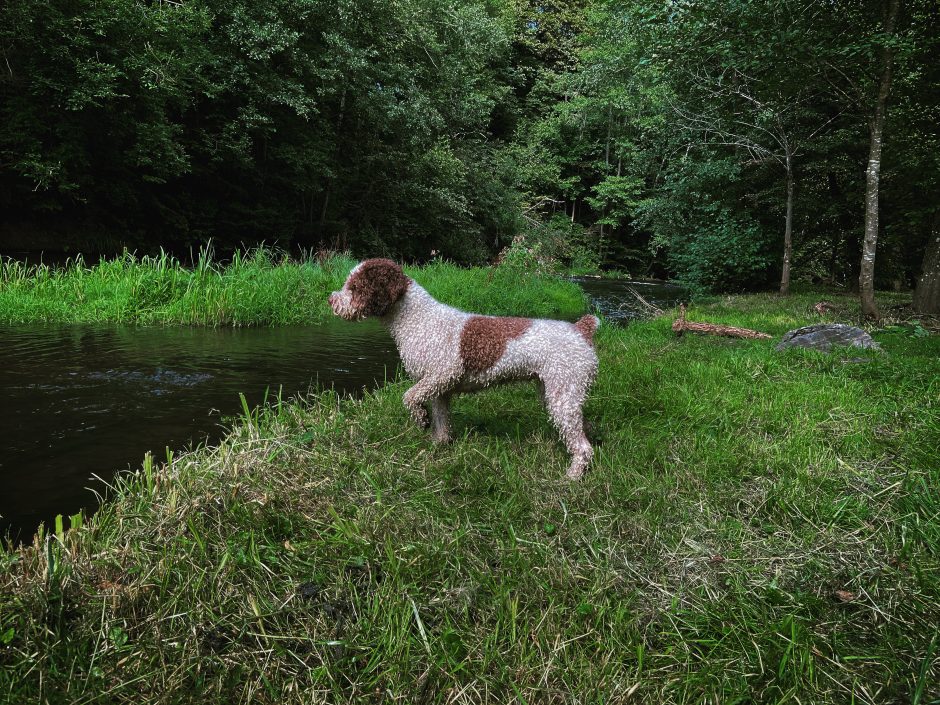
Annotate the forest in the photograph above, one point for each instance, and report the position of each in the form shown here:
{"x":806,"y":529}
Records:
{"x":737,"y":145}
{"x":211,"y":488}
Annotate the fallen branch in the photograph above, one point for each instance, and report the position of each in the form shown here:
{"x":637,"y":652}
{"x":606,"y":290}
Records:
{"x":680,"y":326}
{"x":651,"y":310}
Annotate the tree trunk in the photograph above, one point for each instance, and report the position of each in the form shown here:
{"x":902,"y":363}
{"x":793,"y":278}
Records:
{"x":927,"y":293}
{"x":866,"y":277}
{"x":787,"y":233}
{"x":326,"y":204}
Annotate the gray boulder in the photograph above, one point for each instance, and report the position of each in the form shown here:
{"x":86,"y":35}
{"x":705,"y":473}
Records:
{"x":823,"y":336}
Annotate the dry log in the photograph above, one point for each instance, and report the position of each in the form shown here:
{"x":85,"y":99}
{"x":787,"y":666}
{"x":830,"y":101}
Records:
{"x":680,"y":326}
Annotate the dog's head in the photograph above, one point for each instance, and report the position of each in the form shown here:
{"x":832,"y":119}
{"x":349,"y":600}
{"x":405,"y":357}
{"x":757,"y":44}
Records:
{"x":371,"y":289}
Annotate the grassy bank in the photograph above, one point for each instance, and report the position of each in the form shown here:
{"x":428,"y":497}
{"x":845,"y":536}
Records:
{"x":757,"y":527}
{"x":258,"y":288}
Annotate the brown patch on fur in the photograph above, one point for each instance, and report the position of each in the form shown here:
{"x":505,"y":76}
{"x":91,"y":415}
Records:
{"x":587,"y":326}
{"x":483,"y":339}
{"x":376,"y":286}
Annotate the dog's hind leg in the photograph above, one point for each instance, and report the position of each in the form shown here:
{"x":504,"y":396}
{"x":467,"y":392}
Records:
{"x":564,"y":399}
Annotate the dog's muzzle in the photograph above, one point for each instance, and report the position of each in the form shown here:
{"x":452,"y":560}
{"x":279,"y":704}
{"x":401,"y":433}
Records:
{"x":342,"y":306}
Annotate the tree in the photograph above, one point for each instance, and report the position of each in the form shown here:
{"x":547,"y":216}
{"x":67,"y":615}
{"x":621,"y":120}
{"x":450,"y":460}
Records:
{"x":732,"y":91}
{"x":679,"y":139}
{"x":683,"y":127}
{"x":866,"y":278}
{"x":353,"y":124}
{"x":765,"y":129}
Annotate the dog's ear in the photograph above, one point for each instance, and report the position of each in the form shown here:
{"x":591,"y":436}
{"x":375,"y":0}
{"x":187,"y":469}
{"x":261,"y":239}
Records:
{"x":376,"y":285}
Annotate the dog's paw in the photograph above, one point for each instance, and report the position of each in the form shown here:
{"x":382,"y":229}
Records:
{"x":421,"y":418}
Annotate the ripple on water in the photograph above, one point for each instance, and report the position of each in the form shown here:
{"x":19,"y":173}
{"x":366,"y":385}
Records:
{"x":77,"y":401}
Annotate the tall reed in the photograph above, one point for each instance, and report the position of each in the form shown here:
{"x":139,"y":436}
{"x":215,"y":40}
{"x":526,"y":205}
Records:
{"x":257,"y":287}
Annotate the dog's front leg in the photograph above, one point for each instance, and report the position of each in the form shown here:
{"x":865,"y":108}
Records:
{"x":440,"y":415}
{"x":416,"y":397}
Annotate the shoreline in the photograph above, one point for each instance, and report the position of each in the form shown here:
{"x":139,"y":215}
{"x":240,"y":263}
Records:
{"x":260,"y":287}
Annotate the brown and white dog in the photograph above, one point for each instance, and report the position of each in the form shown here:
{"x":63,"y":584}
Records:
{"x":447,"y":351}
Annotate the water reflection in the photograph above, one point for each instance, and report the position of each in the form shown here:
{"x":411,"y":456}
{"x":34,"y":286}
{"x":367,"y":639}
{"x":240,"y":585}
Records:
{"x":615,"y":298}
{"x":82,"y":400}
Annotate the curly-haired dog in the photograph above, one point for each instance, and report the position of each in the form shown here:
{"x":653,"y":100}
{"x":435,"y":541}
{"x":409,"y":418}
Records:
{"x":447,"y":351}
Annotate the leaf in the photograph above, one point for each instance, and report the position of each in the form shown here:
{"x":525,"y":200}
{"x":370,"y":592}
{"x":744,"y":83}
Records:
{"x":118,"y":637}
{"x":845,"y":596}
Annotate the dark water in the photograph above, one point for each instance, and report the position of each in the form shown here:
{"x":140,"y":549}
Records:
{"x":616,"y":300}
{"x":78,"y":400}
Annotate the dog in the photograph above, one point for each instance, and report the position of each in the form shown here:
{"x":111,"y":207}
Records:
{"x":448,"y":351}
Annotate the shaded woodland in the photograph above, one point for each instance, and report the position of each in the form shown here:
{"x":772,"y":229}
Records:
{"x":731,"y":145}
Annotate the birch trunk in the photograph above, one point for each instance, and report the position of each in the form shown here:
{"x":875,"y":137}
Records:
{"x":866,"y":277}
{"x":787,"y":234}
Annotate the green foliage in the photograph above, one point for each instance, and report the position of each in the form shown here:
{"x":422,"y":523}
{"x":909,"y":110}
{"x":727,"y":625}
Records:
{"x":557,"y":246}
{"x":435,"y":127}
{"x":350,"y":123}
{"x":718,"y":251}
{"x":260,"y":287}
{"x":709,"y":244}
{"x":669,"y":106}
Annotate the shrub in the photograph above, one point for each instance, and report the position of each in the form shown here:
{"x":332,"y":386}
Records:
{"x":718,"y":251}
{"x":556,"y":246}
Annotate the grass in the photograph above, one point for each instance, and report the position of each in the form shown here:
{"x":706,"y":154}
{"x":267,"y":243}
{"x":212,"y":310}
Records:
{"x":260,"y":287}
{"x":758,"y":527}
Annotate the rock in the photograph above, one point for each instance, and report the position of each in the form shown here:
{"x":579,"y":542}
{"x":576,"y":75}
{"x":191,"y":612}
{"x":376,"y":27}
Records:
{"x":823,"y":336}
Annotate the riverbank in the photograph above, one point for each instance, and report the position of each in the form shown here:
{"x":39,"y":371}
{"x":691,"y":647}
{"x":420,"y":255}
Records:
{"x":757,"y":527}
{"x":257,"y":288}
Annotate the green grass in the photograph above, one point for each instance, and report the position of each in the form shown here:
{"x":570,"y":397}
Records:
{"x":757,"y":527}
{"x":260,"y":287}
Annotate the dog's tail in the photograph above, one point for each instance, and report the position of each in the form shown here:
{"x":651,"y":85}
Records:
{"x":587,"y":326}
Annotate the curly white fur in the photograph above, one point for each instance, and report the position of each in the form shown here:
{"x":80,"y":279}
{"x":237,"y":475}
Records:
{"x":557,"y":355}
